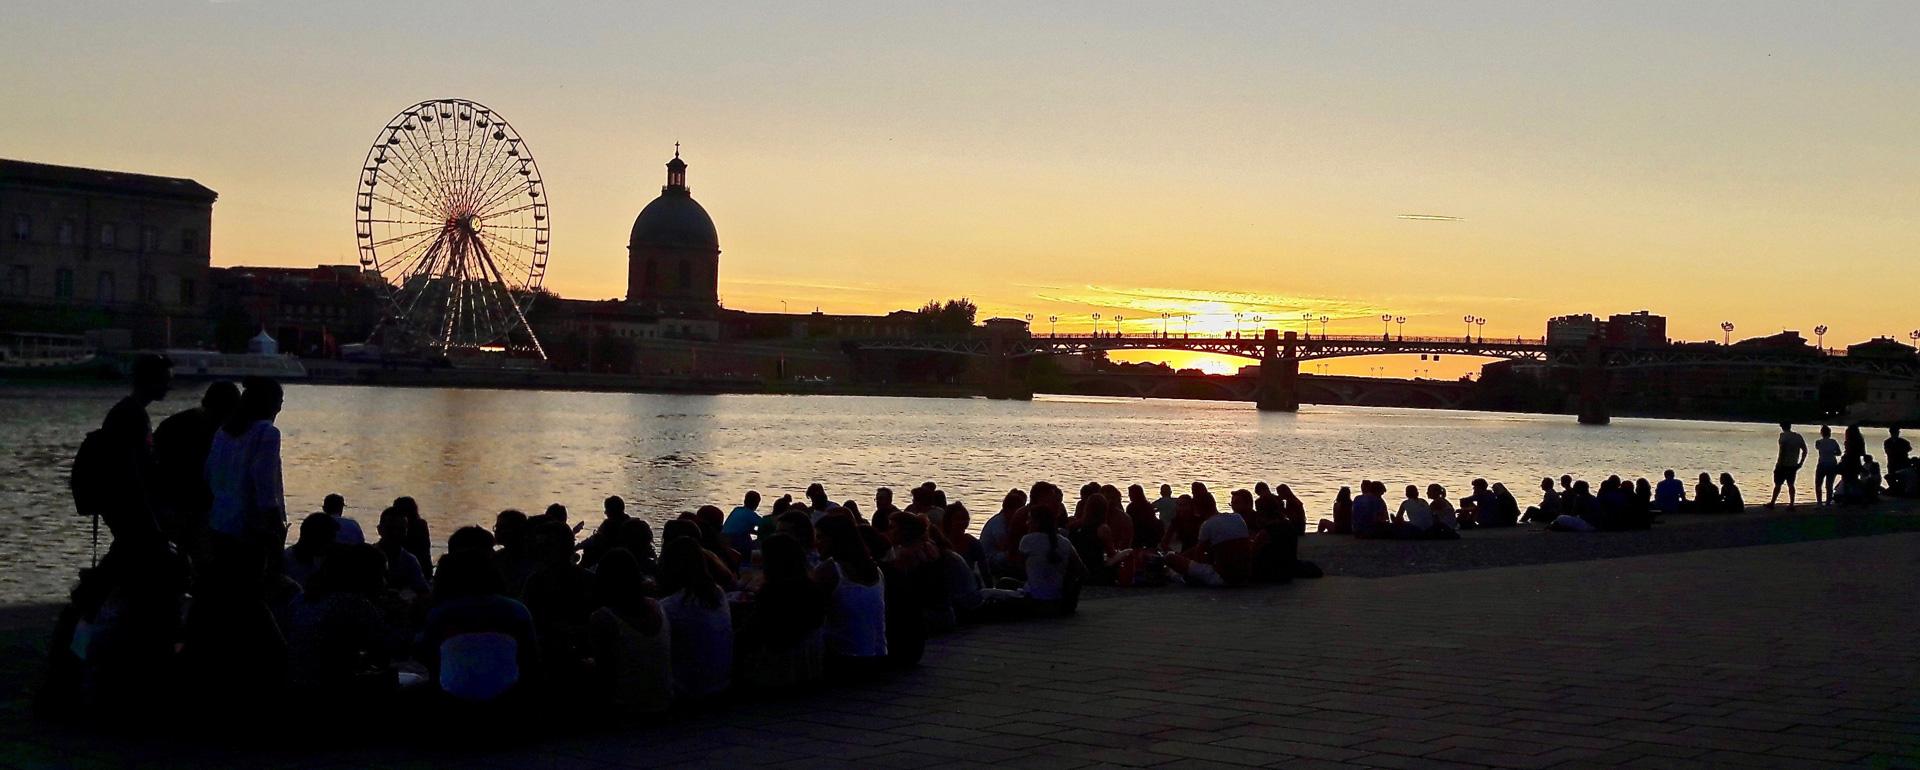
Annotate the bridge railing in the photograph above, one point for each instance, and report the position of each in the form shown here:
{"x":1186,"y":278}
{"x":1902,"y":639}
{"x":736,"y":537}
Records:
{"x":1330,"y":338}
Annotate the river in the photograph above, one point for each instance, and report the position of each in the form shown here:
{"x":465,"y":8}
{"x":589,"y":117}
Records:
{"x":467,"y":454}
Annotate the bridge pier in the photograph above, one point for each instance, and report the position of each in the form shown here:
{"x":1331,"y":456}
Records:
{"x":1006,"y":378}
{"x":1595,"y":380}
{"x":1279,"y":374}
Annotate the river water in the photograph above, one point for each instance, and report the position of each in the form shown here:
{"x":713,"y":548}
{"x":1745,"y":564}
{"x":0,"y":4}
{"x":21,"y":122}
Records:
{"x":467,"y":454}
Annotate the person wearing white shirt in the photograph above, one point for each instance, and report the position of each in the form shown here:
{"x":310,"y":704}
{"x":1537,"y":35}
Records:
{"x":243,"y":471}
{"x":350,"y":532}
{"x":1415,"y":511}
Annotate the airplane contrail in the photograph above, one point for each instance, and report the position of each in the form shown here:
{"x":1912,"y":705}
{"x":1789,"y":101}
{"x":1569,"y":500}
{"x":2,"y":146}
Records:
{"x":1431,"y":218}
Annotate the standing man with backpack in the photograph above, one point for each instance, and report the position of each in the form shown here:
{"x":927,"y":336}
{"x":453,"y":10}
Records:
{"x":180,"y":447}
{"x":114,"y":474}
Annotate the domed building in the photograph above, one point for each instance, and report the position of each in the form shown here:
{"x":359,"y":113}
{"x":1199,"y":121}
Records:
{"x":673,"y":253}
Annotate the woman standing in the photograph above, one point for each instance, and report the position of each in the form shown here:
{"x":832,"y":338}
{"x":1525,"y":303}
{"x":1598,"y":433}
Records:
{"x":243,"y":470}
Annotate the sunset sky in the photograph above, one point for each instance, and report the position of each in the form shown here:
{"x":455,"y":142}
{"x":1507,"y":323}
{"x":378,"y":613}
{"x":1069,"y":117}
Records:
{"x":1753,"y":162}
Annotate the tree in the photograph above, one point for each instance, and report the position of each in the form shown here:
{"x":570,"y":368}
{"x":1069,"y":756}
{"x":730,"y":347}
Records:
{"x":955,"y":316}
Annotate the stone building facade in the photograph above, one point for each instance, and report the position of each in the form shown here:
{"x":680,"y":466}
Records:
{"x":86,"y":249}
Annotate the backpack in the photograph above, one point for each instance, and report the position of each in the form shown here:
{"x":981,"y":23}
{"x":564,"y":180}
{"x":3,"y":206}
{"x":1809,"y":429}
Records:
{"x":99,"y":475}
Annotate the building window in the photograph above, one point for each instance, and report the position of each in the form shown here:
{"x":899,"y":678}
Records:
{"x":106,"y":234}
{"x":149,"y":288}
{"x":149,"y":239}
{"x":186,"y":291}
{"x":63,"y":283}
{"x":190,"y":241}
{"x":66,"y":232}
{"x":22,"y":227}
{"x":17,"y":280}
{"x":103,"y":288}
{"x":686,"y":275}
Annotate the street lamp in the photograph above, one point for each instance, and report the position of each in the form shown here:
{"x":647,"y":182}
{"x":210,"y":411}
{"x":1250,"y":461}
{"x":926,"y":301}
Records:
{"x":1096,"y":324}
{"x":1257,"y":321}
{"x":1236,"y":324}
{"x":1029,"y":322}
{"x":1306,"y":323}
{"x":1482,"y":323}
{"x":1915,"y":336}
{"x":1117,"y":330}
{"x":1323,"y":327}
{"x":1164,"y":319}
{"x":1385,"y":319}
{"x":1402,"y":321}
{"x":1726,"y":327}
{"x":1820,"y":336}
{"x":1053,"y":322}
{"x":1469,"y":320}
{"x":1187,"y":318}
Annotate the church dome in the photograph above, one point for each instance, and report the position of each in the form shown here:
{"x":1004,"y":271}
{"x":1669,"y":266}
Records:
{"x":674,"y":220}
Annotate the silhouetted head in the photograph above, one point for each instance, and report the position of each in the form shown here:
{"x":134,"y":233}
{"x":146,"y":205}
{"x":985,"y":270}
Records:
{"x":556,"y":512}
{"x":470,"y":538}
{"x":1566,"y":480}
{"x":1669,"y":473}
{"x":817,"y":495}
{"x":462,"y":575}
{"x":614,"y":506}
{"x":152,"y":377}
{"x":1260,"y":489}
{"x":955,"y":522}
{"x":1013,"y":501}
{"x":1546,"y":484}
{"x":783,"y":558}
{"x":333,"y":505}
{"x":909,"y":529}
{"x":1413,"y":492}
{"x":1136,"y":493}
{"x":220,"y":400}
{"x":1894,"y":431}
{"x":679,"y":528}
{"x":752,"y":500}
{"x":683,"y":567}
{"x":509,"y":529}
{"x":393,"y":525}
{"x":1436,"y":492}
{"x":1706,"y":479}
{"x":1166,"y":490}
{"x":882,"y":498}
{"x":1345,"y":495}
{"x":797,"y":525}
{"x":1726,"y":479}
{"x":317,"y":531}
{"x":358,"y":569}
{"x":1786,"y":426}
{"x":618,"y":581}
{"x":636,"y":535}
{"x":1826,"y":431}
{"x":1581,"y":487}
{"x":1479,"y":485}
{"x":261,"y":401}
{"x":408,"y":506}
{"x":1241,"y":501}
{"x":710,"y":516}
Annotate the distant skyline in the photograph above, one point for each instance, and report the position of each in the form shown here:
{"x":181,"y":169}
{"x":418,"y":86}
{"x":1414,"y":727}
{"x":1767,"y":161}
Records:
{"x":1751,"y":161}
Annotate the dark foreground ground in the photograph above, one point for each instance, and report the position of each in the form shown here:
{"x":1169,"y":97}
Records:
{"x":1799,"y":651}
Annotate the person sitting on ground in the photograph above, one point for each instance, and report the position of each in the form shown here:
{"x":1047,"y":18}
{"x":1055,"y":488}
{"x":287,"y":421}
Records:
{"x":1504,"y":512}
{"x":338,"y":641}
{"x":1904,"y":482}
{"x":478,"y":644}
{"x":740,"y":525}
{"x":883,"y":508}
{"x":1730,"y":499}
{"x":404,"y":573}
{"x":1582,"y":511}
{"x":699,"y":620}
{"x":1370,"y":517}
{"x":995,"y":540}
{"x":1477,"y":505}
{"x":1549,"y":507}
{"x":514,"y":560}
{"x":1166,"y":505}
{"x":1446,"y":522}
{"x":470,"y":538}
{"x":1275,"y":551}
{"x":1224,"y":554}
{"x":606,"y":536}
{"x":1899,"y":450}
{"x":628,"y":635}
{"x":1643,"y":500}
{"x":350,"y":532}
{"x":1184,"y":531}
{"x":1119,"y":526}
{"x":781,"y":642}
{"x":419,"y":538}
{"x":1088,"y":532}
{"x":1053,"y":567}
{"x":1671,"y":495}
{"x":1294,"y":511}
{"x":1615,"y":505}
{"x":817,"y":502}
{"x":1147,"y":528}
{"x":1414,"y":519}
{"x":1566,"y":484}
{"x":1706,"y":497}
{"x":303,"y":558}
{"x":559,"y":594}
{"x":717,"y":568}
{"x":855,"y":625}
{"x":1342,"y":521}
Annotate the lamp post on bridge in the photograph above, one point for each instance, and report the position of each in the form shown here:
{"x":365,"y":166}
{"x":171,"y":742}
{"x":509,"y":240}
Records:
{"x":1306,"y":324}
{"x":1164,"y":319}
{"x":1323,"y":327}
{"x":1386,"y":320}
{"x":1053,"y":324}
{"x":1096,"y":324}
{"x":1820,"y":337}
{"x":1187,"y":319}
{"x":1258,"y":325}
{"x":1726,"y":329}
{"x":1482,"y":323}
{"x":1029,"y":323}
{"x":1915,"y":336}
{"x":1469,"y":320}
{"x":1402,"y":321}
{"x":1236,"y":324}
{"x":1118,"y":331}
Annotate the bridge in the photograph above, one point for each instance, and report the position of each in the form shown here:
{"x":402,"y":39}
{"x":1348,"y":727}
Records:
{"x":1280,"y":354}
{"x":1313,"y":388}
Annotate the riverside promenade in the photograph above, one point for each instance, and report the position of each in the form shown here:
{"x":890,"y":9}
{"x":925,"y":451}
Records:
{"x":1796,"y":650}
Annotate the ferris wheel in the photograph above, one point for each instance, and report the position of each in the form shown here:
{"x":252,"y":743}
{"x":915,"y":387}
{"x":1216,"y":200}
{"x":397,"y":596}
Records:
{"x":452,"y":214}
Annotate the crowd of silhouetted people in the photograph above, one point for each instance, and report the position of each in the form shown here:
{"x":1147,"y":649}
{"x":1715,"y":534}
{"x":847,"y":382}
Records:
{"x":201,"y":597}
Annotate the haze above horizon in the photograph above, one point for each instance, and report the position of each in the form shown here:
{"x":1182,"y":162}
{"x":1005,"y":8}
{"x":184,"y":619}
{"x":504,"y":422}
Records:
{"x":1750,"y":162}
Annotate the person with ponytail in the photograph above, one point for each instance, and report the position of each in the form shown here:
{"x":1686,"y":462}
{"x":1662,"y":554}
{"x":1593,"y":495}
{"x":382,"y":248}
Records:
{"x":1054,"y":568}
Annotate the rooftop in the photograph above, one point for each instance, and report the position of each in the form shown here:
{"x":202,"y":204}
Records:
{"x":100,"y":180}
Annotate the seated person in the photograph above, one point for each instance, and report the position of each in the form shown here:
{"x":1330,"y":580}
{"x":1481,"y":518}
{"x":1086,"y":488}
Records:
{"x":478,"y":645}
{"x":1504,"y":511}
{"x":1370,"y":519}
{"x":1706,"y":497}
{"x":1224,"y":554}
{"x":1730,"y":499}
{"x":1549,"y":507}
{"x":1670,"y":495}
{"x":1474,"y":509}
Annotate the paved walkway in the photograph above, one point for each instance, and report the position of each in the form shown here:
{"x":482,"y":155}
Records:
{"x":1797,"y":655}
